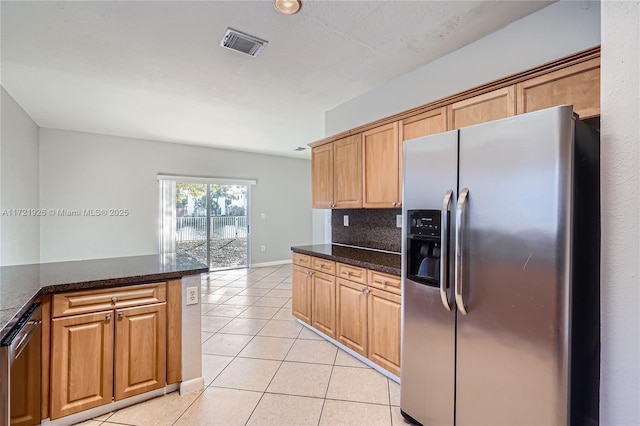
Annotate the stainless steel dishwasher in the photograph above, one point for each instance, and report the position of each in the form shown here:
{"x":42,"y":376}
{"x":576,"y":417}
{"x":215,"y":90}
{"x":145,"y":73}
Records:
{"x":20,"y":365}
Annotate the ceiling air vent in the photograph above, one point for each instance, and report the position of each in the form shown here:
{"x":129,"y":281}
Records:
{"x":243,"y":43}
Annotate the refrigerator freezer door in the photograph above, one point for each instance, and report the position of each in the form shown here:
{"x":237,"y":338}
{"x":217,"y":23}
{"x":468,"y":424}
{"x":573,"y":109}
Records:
{"x":428,"y":338}
{"x":512,"y":345}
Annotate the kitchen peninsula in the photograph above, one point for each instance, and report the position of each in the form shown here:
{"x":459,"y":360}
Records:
{"x":113,"y":332}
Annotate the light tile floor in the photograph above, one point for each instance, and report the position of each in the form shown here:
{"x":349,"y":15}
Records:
{"x":261,"y":367}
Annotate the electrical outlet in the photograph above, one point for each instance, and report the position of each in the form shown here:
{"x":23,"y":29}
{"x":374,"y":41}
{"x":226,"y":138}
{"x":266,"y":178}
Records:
{"x":398,"y":221}
{"x":345,"y":220}
{"x":192,"y":295}
{"x":262,"y":248}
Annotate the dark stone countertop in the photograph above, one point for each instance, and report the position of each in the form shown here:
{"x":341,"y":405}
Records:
{"x":389,"y":263}
{"x":20,"y":284}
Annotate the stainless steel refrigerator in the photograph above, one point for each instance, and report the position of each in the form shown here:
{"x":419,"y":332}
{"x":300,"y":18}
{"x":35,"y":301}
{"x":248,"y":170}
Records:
{"x":500,"y":271}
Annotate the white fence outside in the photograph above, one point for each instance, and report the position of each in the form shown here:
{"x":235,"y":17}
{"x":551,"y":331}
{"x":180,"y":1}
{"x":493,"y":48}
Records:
{"x":195,"y":228}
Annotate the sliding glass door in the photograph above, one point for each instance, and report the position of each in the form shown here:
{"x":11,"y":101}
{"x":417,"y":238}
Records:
{"x":207,"y":221}
{"x":228,"y":230}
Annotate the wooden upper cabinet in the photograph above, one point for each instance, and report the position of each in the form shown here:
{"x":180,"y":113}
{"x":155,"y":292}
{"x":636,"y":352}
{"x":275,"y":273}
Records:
{"x":425,"y":124}
{"x":494,"y":105}
{"x":347,"y":172}
{"x":322,"y":176}
{"x":577,"y":85}
{"x":336,"y":174}
{"x":380,"y":165}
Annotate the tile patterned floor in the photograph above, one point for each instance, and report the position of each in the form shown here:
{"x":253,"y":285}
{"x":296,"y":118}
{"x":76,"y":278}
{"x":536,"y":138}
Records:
{"x":261,"y":367}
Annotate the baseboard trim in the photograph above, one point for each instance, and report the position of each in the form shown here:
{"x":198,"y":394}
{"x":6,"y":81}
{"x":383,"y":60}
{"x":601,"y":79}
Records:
{"x":354,"y":354}
{"x":107,"y":408}
{"x":192,"y":385}
{"x":274,"y":263}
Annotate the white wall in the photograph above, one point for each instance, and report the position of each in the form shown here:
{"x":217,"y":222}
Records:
{"x":89,"y":171}
{"x":20,"y":236}
{"x":558,"y":30}
{"x":620,"y":103}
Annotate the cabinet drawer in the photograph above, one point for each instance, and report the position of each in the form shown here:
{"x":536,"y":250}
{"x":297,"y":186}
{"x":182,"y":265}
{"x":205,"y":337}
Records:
{"x":323,"y":265}
{"x":352,"y":273}
{"x":86,"y":301}
{"x":302,"y":260}
{"x":384,"y":281}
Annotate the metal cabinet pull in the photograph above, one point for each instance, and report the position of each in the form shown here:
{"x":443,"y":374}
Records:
{"x":107,"y":317}
{"x":444,"y":252}
{"x":348,"y":273}
{"x":114,"y":299}
{"x":120,"y":314}
{"x":460,"y":216}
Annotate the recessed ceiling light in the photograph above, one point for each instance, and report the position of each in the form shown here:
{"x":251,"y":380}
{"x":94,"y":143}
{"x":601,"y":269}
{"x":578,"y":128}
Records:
{"x":288,"y":7}
{"x":300,"y":148}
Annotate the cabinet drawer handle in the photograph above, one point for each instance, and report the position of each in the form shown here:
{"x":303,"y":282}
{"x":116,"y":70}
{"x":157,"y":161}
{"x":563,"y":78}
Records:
{"x":321,"y":265}
{"x":310,"y":272}
{"x":107,"y":317}
{"x":383,"y":282}
{"x":120,"y":314}
{"x":363,"y":289}
{"x":348,"y":273}
{"x":114,"y":299}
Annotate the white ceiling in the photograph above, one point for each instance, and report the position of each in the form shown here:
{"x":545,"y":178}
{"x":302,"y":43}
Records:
{"x":154,"y":70}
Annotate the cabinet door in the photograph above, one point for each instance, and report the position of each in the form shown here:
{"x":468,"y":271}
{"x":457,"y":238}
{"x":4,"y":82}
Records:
{"x":380,"y":167}
{"x":141,"y":350}
{"x":384,"y":330}
{"x":324,"y":303}
{"x":577,"y":85}
{"x":25,"y":394}
{"x":82,"y":360}
{"x":322,"y":177}
{"x":301,"y":293}
{"x":347,"y":172}
{"x":499,"y":103}
{"x":425,"y":124}
{"x":351,"y":315}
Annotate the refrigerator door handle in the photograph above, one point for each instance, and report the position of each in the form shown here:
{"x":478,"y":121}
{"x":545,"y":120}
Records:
{"x":444,"y":256}
{"x":460,"y":215}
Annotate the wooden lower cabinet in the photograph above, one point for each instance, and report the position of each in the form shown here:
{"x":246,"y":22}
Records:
{"x":82,"y":356}
{"x":352,"y":315}
{"x":301,"y":293}
{"x":384,"y":329}
{"x":361,"y":310}
{"x":141,"y":350}
{"x":111,"y":354}
{"x":323,"y":299}
{"x":369,"y":323}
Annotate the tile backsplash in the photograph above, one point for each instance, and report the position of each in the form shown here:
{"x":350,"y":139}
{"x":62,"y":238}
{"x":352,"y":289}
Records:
{"x":371,"y":228}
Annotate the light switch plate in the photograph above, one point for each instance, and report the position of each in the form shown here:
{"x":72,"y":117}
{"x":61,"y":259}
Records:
{"x":398,"y":221}
{"x":345,"y":220}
